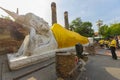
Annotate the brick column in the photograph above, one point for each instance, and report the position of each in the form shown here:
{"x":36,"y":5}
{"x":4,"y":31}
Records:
{"x":53,"y":9}
{"x":17,"y":11}
{"x":66,"y":20}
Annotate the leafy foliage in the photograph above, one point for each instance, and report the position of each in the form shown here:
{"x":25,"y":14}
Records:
{"x":75,"y":24}
{"x":83,"y":28}
{"x":115,"y":29}
{"x":112,"y":30}
{"x":103,"y":30}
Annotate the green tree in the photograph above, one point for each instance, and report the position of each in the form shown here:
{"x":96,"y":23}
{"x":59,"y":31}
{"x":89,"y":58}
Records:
{"x":112,"y":30}
{"x":83,"y":28}
{"x":75,"y":24}
{"x":103,"y":30}
{"x":115,"y":29}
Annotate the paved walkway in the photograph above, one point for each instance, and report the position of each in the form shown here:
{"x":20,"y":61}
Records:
{"x":107,"y":52}
{"x":102,"y":68}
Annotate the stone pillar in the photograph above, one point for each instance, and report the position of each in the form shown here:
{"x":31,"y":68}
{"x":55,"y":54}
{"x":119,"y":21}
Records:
{"x":66,"y":20}
{"x":53,"y":9}
{"x":17,"y":11}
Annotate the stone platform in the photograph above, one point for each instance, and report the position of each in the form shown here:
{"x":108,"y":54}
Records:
{"x":99,"y":67}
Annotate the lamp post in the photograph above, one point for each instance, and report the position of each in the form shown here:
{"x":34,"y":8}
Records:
{"x":99,"y":23}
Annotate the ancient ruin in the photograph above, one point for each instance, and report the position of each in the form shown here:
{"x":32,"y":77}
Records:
{"x":66,"y":20}
{"x":42,"y":42}
{"x":54,"y":13}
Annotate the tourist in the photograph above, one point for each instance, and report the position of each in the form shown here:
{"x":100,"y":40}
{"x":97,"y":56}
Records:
{"x":101,"y":43}
{"x":113,"y":47}
{"x":106,"y":42}
{"x":116,"y":38}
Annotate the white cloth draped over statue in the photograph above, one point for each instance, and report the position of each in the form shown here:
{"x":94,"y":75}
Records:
{"x":40,"y":36}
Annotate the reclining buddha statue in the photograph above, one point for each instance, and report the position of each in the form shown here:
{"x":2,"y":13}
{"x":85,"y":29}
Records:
{"x":42,"y":41}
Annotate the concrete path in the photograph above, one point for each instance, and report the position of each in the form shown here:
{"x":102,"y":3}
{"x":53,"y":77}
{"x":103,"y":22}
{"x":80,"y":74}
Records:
{"x":107,"y":52}
{"x":102,"y":68}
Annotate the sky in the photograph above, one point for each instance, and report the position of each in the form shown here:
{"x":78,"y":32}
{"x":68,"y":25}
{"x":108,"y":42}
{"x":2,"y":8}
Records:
{"x":87,"y":10}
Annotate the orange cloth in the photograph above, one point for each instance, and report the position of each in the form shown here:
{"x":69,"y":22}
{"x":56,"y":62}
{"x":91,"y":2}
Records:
{"x":66,"y":38}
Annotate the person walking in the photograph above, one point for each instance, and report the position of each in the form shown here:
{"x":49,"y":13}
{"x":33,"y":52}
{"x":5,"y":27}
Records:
{"x":113,"y":45}
{"x":106,"y":42}
{"x":101,"y":43}
{"x":116,"y":38}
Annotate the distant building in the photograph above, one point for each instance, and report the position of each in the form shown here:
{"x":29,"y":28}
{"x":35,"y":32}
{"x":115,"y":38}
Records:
{"x":96,"y":34}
